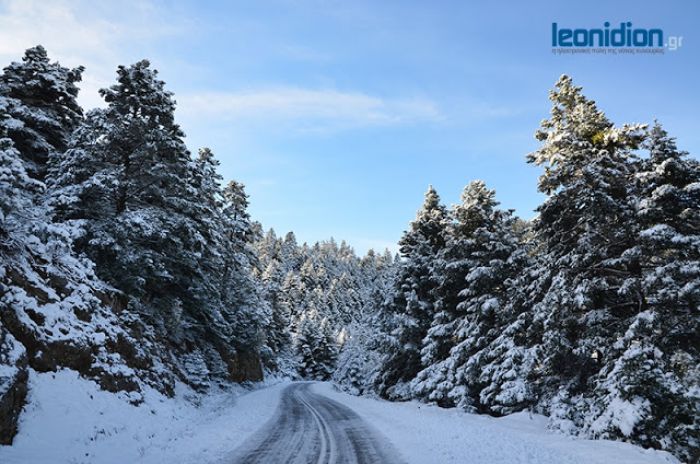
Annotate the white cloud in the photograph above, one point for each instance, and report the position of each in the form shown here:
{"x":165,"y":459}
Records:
{"x":97,"y":35}
{"x":310,"y":109}
{"x":102,"y":35}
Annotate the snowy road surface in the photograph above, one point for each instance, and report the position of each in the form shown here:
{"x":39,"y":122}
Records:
{"x":312,"y":428}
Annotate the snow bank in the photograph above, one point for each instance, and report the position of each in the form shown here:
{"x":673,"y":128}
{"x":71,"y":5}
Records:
{"x":429,"y":434}
{"x":70,"y":420}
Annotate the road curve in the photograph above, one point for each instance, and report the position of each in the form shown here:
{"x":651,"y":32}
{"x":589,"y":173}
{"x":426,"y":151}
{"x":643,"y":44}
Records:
{"x":309,"y":428}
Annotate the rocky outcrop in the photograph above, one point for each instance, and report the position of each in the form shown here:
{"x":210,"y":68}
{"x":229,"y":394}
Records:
{"x":57,"y":320}
{"x":64,"y":318}
{"x":63,"y":324}
{"x":13,"y":384}
{"x":245,"y":366}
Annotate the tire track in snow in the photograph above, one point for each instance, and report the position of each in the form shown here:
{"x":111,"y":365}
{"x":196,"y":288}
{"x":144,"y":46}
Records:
{"x":310,"y":428}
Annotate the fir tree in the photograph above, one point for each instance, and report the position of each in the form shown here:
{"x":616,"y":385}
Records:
{"x":474,"y":271}
{"x":315,"y":346}
{"x":17,"y":197}
{"x":39,"y":98}
{"x":653,"y":371}
{"x":247,"y":312}
{"x":278,"y":335}
{"x":585,"y":224}
{"x":127,"y":177}
{"x":411,"y":307}
{"x":669,"y":214}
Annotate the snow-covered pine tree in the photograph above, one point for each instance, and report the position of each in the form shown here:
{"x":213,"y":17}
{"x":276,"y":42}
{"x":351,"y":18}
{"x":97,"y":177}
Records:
{"x":328,"y":349}
{"x":669,"y":214}
{"x":127,"y":178}
{"x":214,"y":323}
{"x":236,"y":210}
{"x":351,"y":373}
{"x":290,"y":252}
{"x":315,"y":346}
{"x":204,"y":228}
{"x":474,"y":270}
{"x":267,"y":248}
{"x":649,"y":391}
{"x":278,"y":336}
{"x":52,"y":303}
{"x":18,"y":192}
{"x":410,"y":308}
{"x":41,"y":111}
{"x":244,"y":308}
{"x":362,"y":341}
{"x":311,"y":284}
{"x":307,"y":340}
{"x":292,"y":294}
{"x":37,"y":111}
{"x":510,"y":370}
{"x":585,"y":225}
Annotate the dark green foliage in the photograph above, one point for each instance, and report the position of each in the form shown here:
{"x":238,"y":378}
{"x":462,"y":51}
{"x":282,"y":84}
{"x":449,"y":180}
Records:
{"x":39,"y":101}
{"x":410,"y":308}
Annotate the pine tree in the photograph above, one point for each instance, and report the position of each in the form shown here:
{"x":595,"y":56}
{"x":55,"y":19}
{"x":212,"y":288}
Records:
{"x":38,"y":111}
{"x":244,"y":306}
{"x":411,"y":307}
{"x":655,"y":370}
{"x":350,"y":373}
{"x":328,"y":350}
{"x":126,"y":177}
{"x":203,"y":228}
{"x":474,"y":271}
{"x":669,"y":213}
{"x":278,"y":335}
{"x":39,"y":98}
{"x":236,"y":210}
{"x":363,"y":340}
{"x":290,"y":252}
{"x":51,"y":299}
{"x":510,"y":366}
{"x":585,"y":224}
{"x":315,"y":346}
{"x":17,"y":197}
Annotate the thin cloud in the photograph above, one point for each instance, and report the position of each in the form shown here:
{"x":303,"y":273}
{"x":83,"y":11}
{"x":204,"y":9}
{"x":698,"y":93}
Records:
{"x":97,"y":35}
{"x":102,"y":35}
{"x":307,"y":108}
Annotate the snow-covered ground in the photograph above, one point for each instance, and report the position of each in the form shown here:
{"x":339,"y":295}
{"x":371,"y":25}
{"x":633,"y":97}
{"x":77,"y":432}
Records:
{"x":429,"y":434}
{"x":69,"y":420}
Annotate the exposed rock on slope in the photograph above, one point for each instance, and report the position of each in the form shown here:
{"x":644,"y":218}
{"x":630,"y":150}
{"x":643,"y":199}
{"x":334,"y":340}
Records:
{"x":13,"y":384}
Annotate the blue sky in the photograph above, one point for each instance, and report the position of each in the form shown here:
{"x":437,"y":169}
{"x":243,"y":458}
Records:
{"x":337,"y":115}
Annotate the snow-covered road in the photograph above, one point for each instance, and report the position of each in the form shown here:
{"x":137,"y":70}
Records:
{"x":312,"y":428}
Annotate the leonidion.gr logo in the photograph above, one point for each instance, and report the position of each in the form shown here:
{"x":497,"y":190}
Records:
{"x":613,"y":40}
